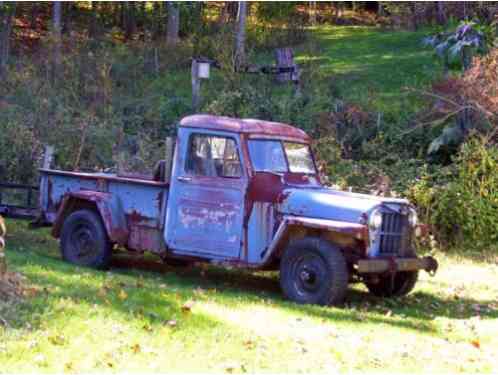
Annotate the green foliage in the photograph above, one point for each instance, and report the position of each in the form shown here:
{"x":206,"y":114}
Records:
{"x":102,"y":94}
{"x":459,"y":45}
{"x":461,"y":201}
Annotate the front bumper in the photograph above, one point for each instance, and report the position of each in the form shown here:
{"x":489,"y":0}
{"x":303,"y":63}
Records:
{"x":382,"y":265}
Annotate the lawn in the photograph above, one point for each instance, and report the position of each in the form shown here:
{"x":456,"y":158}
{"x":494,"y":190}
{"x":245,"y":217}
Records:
{"x":364,"y":65}
{"x":143,"y":316}
{"x":374,"y":67}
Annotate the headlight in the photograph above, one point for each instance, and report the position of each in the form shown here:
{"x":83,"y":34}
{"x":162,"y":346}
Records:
{"x":412,"y":217}
{"x":375,"y":220}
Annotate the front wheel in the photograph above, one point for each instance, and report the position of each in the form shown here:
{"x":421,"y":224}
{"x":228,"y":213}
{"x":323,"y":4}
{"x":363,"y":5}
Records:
{"x":84,"y":240}
{"x":398,"y":285}
{"x":313,"y":271}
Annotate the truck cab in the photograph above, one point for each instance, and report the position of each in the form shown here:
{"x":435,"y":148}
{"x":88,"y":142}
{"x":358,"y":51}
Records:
{"x":244,"y":193}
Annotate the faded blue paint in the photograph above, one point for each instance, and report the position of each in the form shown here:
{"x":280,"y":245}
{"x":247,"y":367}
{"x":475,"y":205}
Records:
{"x":205,"y":214}
{"x":261,"y":230}
{"x":324,"y":203}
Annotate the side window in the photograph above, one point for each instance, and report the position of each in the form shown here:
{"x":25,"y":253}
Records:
{"x":213,"y":156}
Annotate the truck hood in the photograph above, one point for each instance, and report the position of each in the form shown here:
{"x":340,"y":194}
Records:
{"x":325,"y":203}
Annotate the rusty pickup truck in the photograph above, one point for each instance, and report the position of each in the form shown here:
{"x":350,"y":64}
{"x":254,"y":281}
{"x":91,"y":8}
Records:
{"x":240,"y":193}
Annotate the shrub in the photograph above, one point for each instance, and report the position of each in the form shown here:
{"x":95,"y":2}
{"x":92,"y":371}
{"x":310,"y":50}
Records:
{"x":461,"y":201}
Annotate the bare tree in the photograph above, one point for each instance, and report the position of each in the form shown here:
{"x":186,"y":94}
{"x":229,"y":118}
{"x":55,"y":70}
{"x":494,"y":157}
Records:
{"x":3,"y":265}
{"x":173,"y":23}
{"x":312,"y":12}
{"x":7,"y":12}
{"x":129,"y":19}
{"x":441,"y":13}
{"x":56,"y":25}
{"x":240,"y":40}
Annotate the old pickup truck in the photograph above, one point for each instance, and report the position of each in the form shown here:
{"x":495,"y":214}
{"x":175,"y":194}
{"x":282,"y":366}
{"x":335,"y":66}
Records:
{"x":242,"y":193}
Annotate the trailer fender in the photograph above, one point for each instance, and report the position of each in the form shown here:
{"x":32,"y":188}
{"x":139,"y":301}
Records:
{"x":108,"y":206}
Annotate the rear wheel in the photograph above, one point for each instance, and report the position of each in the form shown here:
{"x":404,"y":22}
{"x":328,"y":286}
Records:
{"x":84,"y":240}
{"x":313,"y":271}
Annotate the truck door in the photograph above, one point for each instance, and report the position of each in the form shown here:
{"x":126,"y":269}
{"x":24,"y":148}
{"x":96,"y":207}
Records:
{"x":205,"y":211}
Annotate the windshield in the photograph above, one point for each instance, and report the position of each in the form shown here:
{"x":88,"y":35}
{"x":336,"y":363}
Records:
{"x":270,"y":156}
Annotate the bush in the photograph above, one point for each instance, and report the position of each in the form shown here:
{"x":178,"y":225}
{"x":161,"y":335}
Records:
{"x":461,"y":201}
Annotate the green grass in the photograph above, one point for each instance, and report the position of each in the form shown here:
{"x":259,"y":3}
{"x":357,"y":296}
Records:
{"x":364,"y":65}
{"x":80,"y":320}
{"x":374,"y":67}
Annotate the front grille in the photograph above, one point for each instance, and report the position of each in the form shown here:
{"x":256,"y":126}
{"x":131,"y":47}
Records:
{"x":392,"y":233}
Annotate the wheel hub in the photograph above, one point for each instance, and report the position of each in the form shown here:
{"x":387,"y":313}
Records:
{"x":83,"y":241}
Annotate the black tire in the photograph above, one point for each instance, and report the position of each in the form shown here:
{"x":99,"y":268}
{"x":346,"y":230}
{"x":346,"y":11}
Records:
{"x":84,"y":240}
{"x":180,"y":263}
{"x":313,"y":271}
{"x":402,"y":284}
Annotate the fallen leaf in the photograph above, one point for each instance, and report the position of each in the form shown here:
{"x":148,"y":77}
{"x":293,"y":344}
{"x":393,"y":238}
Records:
{"x":135,"y":348}
{"x":147,"y":327}
{"x":172,"y":323}
{"x":56,"y":340}
{"x":476,"y":343}
{"x":476,"y":308}
{"x":249,"y":344}
{"x":187,"y":306}
{"x":69,"y":367}
{"x":122,"y":295}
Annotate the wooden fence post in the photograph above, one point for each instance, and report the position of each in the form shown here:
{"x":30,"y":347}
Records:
{"x":48,"y":156}
{"x":285,"y":59}
{"x":196,"y":86}
{"x":3,"y":264}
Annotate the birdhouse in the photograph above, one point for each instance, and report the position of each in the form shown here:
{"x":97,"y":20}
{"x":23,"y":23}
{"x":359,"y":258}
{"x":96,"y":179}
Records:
{"x":203,"y":69}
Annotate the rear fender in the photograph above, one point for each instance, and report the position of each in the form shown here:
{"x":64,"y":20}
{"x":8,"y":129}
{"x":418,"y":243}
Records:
{"x":108,"y":206}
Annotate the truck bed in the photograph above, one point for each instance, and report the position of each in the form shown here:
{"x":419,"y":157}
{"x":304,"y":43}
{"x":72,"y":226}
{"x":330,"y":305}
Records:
{"x":141,"y":201}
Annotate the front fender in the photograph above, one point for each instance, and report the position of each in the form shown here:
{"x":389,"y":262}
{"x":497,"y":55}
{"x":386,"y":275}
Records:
{"x":356,"y":230}
{"x":108,"y":206}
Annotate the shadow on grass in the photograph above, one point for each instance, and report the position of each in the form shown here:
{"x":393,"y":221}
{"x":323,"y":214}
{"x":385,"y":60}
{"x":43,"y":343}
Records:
{"x":423,"y":307}
{"x":155,"y":292}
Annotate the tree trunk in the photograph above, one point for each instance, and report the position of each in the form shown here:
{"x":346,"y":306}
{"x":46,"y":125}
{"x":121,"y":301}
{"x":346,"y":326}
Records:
{"x":129,"y":19}
{"x":340,"y":9}
{"x":380,"y":9}
{"x":156,"y":19}
{"x":34,"y":15}
{"x":173,"y":24}
{"x":3,"y":265}
{"x":92,"y":27}
{"x":414,"y":16}
{"x":312,"y":12}
{"x":67,"y":11}
{"x":441,"y":14}
{"x":7,"y":12}
{"x":240,"y":41}
{"x":56,"y":25}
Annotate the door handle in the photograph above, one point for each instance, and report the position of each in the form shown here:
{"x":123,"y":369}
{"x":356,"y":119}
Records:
{"x":184,"y":179}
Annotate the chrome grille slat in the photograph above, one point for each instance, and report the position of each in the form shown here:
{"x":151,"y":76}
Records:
{"x":391,"y":233}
